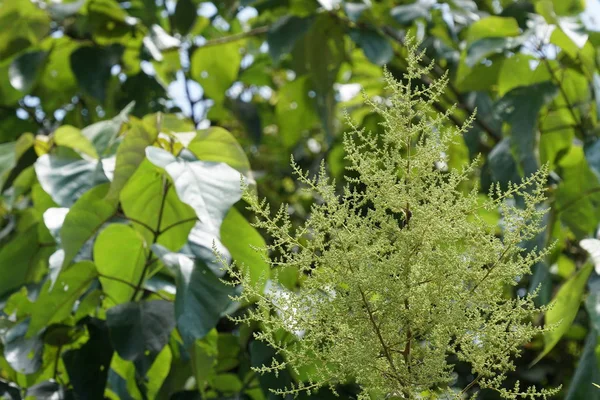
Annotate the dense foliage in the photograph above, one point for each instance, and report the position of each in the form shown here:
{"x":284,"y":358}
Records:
{"x":125,"y":125}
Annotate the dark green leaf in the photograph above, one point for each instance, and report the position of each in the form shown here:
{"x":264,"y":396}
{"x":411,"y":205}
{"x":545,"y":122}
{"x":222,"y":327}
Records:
{"x":375,"y":46}
{"x":22,"y":260}
{"x":284,"y":34}
{"x":88,"y":366}
{"x":587,"y":372}
{"x":141,"y":329}
{"x":201,"y":297}
{"x":592,"y":301}
{"x":185,"y":16}
{"x":520,"y":108}
{"x":91,"y":66}
{"x":25,"y":70}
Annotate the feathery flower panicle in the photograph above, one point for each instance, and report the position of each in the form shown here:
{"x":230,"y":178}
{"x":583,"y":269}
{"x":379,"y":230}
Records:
{"x":399,"y":272}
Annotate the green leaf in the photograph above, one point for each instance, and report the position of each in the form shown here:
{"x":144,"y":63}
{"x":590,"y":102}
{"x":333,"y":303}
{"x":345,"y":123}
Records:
{"x":23,"y":24}
{"x":104,"y":133}
{"x":66,"y":179}
{"x":57,"y":84}
{"x":244,"y":243}
{"x":141,"y":199}
{"x":69,"y":136}
{"x":210,"y":189}
{"x":22,"y":260}
{"x":140,"y":329}
{"x":502,"y":164}
{"x":204,"y":355}
{"x":55,"y":302}
{"x":284,"y":34}
{"x":375,"y":46}
{"x":563,"y":309}
{"x":520,"y":108}
{"x":201,"y":297}
{"x":516,"y":71}
{"x":295,"y":110}
{"x":185,"y":16}
{"x":127,"y":383}
{"x":88,"y":366}
{"x":492,"y":26}
{"x":8,"y":160}
{"x":130,"y":155}
{"x":25,"y":70}
{"x":119,"y":253}
{"x":577,"y":200}
{"x":592,"y":301}
{"x":483,"y":48}
{"x":218,"y":145}
{"x":216,"y":68}
{"x":84,"y":219}
{"x":158,"y":373}
{"x":587,"y":372}
{"x":227,"y":383}
{"x":8,"y":94}
{"x":568,"y":7}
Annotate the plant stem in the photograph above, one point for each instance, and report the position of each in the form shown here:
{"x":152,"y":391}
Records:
{"x":149,"y":260}
{"x":174,"y":224}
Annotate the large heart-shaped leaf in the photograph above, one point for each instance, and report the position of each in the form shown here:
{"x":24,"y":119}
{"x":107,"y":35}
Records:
{"x":140,"y":330}
{"x":201,"y":297}
{"x":88,"y":366}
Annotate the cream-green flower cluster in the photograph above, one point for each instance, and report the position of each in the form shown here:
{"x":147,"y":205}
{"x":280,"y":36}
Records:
{"x":399,"y":272}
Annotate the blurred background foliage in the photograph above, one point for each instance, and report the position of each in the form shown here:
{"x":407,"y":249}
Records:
{"x":249,"y":83}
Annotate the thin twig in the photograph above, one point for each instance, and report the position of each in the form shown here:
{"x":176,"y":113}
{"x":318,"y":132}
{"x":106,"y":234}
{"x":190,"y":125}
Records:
{"x":149,"y":261}
{"x":236,"y":37}
{"x":131,"y":285}
{"x":174,"y":224}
